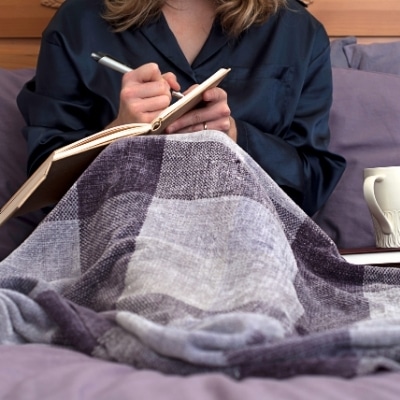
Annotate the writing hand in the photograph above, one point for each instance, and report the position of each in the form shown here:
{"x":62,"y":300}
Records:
{"x":144,"y":94}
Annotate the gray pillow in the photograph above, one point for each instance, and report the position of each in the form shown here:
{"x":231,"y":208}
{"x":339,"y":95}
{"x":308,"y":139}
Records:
{"x":365,"y":128}
{"x":13,"y":158}
{"x":374,"y":57}
{"x":338,"y":55}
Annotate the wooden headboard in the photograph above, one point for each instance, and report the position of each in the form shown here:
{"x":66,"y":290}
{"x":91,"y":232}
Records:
{"x":21,"y":26}
{"x":22,"y":22}
{"x":368,"y":20}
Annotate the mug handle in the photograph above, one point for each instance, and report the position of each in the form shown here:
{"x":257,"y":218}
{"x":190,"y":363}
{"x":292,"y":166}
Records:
{"x":375,"y":209}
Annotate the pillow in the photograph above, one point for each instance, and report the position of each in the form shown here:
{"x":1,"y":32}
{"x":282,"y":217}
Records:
{"x":365,"y":129}
{"x":338,"y":56}
{"x":13,"y":159}
{"x":374,"y":57}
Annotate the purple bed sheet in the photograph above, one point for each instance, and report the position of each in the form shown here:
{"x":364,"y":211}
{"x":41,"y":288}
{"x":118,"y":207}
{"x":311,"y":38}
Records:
{"x":36,"y":371}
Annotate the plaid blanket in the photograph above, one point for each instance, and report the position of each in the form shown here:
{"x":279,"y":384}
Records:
{"x":178,"y":253}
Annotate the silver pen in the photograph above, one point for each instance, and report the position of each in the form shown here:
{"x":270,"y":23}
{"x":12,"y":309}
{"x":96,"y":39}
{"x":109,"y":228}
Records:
{"x":119,"y":67}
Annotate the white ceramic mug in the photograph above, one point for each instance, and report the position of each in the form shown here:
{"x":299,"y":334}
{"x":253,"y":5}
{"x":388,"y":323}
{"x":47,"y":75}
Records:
{"x":382,"y":194}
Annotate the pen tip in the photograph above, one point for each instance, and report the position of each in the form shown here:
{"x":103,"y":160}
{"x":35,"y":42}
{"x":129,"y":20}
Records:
{"x":95,"y":56}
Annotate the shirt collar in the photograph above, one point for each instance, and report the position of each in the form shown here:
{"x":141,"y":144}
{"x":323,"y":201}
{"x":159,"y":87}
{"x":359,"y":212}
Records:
{"x":162,"y":38}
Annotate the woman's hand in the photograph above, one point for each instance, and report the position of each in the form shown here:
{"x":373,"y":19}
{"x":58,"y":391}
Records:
{"x":144,"y":94}
{"x":215,"y":114}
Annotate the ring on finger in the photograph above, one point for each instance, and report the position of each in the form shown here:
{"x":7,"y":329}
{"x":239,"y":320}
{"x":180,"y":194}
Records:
{"x":205,"y":126}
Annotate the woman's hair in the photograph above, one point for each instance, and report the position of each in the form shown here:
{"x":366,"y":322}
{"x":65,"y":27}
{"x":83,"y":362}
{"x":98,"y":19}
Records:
{"x":235,"y":15}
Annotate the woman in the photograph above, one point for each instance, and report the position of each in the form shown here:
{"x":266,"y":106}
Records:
{"x":177,"y":252}
{"x":274,"y":103}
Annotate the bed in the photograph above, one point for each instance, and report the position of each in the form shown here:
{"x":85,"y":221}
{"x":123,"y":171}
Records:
{"x":364,"y":123}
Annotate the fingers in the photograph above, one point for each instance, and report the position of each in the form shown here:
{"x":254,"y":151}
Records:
{"x":170,"y":78}
{"x":215,"y":114}
{"x":145,"y":82}
{"x":145,"y":93}
{"x":149,"y":81}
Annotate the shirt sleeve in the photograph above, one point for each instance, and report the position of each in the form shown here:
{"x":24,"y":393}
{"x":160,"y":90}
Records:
{"x":63,"y":103}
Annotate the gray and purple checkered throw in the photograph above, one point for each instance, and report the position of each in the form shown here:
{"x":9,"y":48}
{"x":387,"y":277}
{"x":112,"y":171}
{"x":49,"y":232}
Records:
{"x":178,"y":253}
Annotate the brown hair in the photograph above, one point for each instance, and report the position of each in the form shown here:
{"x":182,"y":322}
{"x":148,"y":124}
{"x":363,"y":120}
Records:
{"x":235,"y":15}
